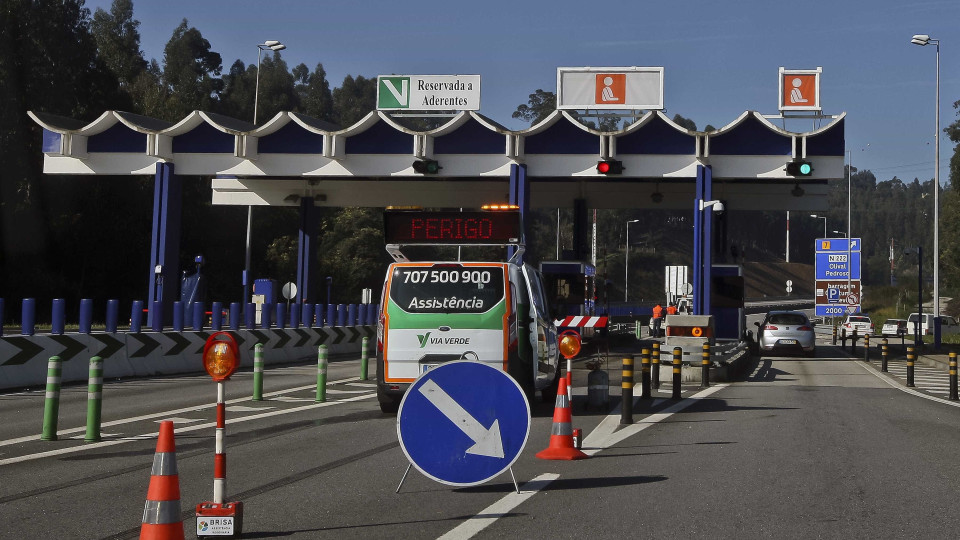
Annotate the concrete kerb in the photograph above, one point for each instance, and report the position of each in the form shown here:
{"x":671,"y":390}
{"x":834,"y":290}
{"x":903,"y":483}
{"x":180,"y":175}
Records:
{"x":729,"y":362}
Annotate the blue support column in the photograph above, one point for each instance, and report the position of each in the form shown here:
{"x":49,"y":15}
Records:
{"x":707,"y":255}
{"x":702,"y":241}
{"x":520,"y":196}
{"x":165,"y":243}
{"x":305,"y":242}
{"x":697,"y":245}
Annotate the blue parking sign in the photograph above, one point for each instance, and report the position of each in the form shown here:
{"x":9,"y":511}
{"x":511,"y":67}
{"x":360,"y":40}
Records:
{"x":463,"y":422}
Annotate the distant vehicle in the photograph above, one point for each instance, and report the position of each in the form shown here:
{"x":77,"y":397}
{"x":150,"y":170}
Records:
{"x":861,"y":323}
{"x":948,"y":325}
{"x":786,"y":331}
{"x":894,"y":328}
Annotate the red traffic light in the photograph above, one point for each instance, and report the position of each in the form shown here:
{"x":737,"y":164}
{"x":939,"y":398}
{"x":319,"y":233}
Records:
{"x":610,"y":166}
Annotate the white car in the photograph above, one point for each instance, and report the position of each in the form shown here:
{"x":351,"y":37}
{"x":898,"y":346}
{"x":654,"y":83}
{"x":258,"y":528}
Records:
{"x":861,"y":323}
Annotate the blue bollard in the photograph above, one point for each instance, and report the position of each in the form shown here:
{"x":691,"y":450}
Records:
{"x":331,"y":315}
{"x":341,"y":314}
{"x":28,"y":316}
{"x":86,"y":315}
{"x":216,"y":316}
{"x":306,"y":315}
{"x":265,"y":309}
{"x":281,"y":310}
{"x":157,"y":316}
{"x":178,"y":316}
{"x":362,"y":314}
{"x":374,"y":314}
{"x":234,"y":316}
{"x":294,"y":315}
{"x":58,"y":315}
{"x":250,"y":316}
{"x":136,"y":316}
{"x":351,"y":315}
{"x":199,"y":310}
{"x":113,"y":313}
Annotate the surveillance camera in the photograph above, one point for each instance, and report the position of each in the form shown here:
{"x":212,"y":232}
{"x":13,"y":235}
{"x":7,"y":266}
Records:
{"x":719,"y":208}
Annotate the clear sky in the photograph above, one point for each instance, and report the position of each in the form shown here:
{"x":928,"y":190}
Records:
{"x":720,"y":58}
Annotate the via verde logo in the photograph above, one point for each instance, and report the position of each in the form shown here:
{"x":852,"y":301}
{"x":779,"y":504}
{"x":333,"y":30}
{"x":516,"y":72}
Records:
{"x":423,"y":339}
{"x":393,"y":93}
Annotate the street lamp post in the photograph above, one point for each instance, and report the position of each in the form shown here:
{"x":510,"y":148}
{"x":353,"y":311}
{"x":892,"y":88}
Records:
{"x":626,"y":261}
{"x":923,"y":40}
{"x":273,"y":45}
{"x":849,"y":222}
{"x":824,"y":218}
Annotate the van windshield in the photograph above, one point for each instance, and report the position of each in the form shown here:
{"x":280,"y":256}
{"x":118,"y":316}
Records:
{"x":446,"y":288}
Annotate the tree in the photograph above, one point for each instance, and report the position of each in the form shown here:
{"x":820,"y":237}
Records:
{"x":239,"y":86}
{"x":118,"y":41}
{"x":191,"y":72}
{"x":355,"y":98}
{"x":684,"y":122}
{"x":49,"y":64}
{"x":316,"y":99}
{"x":540,"y":105}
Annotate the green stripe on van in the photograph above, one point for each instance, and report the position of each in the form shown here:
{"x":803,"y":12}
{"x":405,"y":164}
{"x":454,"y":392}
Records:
{"x":489,"y":320}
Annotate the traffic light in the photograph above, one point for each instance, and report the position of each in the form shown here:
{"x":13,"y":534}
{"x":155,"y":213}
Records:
{"x":610,"y":166}
{"x":799,"y":168}
{"x":426,"y":166}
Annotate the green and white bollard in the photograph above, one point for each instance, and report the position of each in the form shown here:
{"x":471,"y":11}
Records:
{"x":363,"y":358}
{"x":94,"y":399}
{"x":258,"y":372}
{"x":51,"y":402}
{"x":322,"y":374}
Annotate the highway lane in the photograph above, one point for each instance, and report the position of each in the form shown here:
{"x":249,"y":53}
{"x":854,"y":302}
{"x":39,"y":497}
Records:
{"x":801,"y":448}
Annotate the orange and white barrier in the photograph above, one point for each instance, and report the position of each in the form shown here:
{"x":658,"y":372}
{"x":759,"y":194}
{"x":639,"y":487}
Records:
{"x":561,"y":434}
{"x":161,"y":513}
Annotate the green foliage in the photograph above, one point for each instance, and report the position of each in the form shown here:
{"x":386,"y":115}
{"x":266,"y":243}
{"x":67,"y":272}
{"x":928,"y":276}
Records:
{"x":354,"y":100}
{"x":190,"y":72}
{"x":540,"y":105}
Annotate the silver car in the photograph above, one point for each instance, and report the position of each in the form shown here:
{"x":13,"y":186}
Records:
{"x":786,"y":331}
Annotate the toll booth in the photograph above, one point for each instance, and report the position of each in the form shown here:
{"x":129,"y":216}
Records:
{"x":727,"y":302}
{"x":570,"y":287}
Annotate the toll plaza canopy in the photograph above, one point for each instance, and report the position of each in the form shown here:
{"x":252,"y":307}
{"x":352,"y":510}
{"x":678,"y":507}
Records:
{"x":296,"y":160}
{"x":371,"y":163}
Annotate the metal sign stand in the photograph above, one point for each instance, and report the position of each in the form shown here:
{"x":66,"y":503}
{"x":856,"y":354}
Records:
{"x":409,"y":465}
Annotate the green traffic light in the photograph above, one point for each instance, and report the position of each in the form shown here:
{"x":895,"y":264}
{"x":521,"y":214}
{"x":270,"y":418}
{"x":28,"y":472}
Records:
{"x":805,"y":169}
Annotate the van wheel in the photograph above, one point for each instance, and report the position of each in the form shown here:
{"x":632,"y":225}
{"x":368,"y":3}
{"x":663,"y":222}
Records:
{"x":388,"y":404}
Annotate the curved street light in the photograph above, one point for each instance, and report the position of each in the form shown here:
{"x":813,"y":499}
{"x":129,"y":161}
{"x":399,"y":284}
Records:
{"x":273,"y":45}
{"x":924,"y":40}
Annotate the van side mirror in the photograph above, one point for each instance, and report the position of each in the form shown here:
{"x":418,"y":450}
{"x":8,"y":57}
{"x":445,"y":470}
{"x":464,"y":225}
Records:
{"x":756,"y":323}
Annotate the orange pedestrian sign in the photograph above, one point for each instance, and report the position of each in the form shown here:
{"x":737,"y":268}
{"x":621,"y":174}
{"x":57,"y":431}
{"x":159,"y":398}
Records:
{"x":800,"y":89}
{"x":611,"y":88}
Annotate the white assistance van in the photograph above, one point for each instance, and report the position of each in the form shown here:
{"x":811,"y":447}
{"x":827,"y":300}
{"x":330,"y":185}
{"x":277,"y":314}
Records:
{"x":948,"y":325}
{"x":440,"y":311}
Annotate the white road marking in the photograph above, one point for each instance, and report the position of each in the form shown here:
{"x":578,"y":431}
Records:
{"x":196,"y":427}
{"x":602,"y":437}
{"x":244,"y":408}
{"x":179,"y":420}
{"x":495,"y":511}
{"x":897,"y":385}
{"x":62,"y":432}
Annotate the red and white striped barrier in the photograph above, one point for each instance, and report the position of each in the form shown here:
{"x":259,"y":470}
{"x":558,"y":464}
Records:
{"x":581,"y":322}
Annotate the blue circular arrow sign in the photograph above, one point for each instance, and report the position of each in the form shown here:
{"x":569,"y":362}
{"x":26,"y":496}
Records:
{"x":463,"y":423}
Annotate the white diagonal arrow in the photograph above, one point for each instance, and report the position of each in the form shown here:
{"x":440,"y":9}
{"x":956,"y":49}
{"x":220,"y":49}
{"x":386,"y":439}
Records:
{"x":487,"y":441}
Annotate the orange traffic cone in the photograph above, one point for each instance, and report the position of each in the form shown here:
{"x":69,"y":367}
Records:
{"x":161,"y":513}
{"x":561,"y":434}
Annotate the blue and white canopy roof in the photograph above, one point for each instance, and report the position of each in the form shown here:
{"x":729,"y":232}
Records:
{"x":371,"y":162}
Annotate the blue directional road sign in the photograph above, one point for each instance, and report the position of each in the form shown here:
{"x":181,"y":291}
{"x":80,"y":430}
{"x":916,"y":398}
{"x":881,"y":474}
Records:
{"x":837,"y":274}
{"x":463,"y":422}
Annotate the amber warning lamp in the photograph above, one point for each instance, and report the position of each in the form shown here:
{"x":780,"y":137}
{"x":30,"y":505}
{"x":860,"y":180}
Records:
{"x":221,"y":356}
{"x":569,"y":344}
